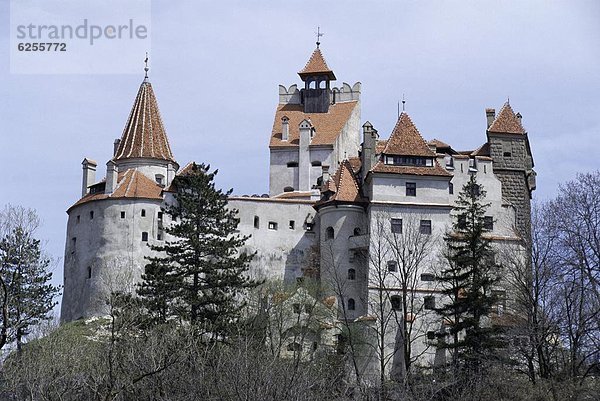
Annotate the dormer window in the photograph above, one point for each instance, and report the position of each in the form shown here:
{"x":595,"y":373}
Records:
{"x":409,"y":161}
{"x":160,"y":179}
{"x":285,"y":128}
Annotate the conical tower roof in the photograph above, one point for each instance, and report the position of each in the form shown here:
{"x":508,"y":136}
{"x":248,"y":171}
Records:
{"x":507,"y":122}
{"x":406,"y":140}
{"x":144,"y":134}
{"x":316,"y":65}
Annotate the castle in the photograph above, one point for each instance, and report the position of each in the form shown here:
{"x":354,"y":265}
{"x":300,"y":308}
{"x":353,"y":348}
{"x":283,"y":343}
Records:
{"x":336,"y":189}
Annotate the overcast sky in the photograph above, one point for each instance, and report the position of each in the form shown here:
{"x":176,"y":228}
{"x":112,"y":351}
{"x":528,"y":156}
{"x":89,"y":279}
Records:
{"x":216,"y":66}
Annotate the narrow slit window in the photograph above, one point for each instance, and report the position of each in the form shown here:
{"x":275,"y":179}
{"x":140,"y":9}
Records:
{"x":256,"y":222}
{"x":122,"y":215}
{"x":292,"y":224}
{"x":145,"y":236}
{"x":143,"y":212}
{"x":91,"y":214}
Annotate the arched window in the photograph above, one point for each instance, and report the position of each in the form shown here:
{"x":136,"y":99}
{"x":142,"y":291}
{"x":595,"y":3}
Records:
{"x":357,"y":231}
{"x":351,"y":304}
{"x":396,"y":302}
{"x":351,"y":274}
{"x":329,"y":233}
{"x":312,"y":85}
{"x":322,"y":84}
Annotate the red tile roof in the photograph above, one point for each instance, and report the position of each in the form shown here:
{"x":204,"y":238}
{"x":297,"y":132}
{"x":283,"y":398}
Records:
{"x":483,"y":150}
{"x":144,"y":134}
{"x":131,"y":184}
{"x":506,"y":122}
{"x":327,"y":125}
{"x":344,"y":185}
{"x":406,"y":140}
{"x":316,"y":65}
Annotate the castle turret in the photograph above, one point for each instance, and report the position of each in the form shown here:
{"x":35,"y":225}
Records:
{"x":513,"y":164}
{"x":316,"y":76}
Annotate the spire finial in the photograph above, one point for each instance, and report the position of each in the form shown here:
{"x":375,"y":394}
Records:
{"x":146,"y":67}
{"x":319,"y":34}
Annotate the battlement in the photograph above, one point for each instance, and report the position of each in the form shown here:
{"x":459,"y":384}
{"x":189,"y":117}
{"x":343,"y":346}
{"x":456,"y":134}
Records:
{"x":345,"y":93}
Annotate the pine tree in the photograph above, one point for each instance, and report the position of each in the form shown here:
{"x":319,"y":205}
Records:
{"x":200,"y":275}
{"x":467,"y":282}
{"x":26,"y":294}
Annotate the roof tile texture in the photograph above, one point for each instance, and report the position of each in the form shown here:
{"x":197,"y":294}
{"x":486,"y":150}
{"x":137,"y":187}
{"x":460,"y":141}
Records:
{"x":144,"y":134}
{"x":406,"y":140}
{"x":506,"y":122}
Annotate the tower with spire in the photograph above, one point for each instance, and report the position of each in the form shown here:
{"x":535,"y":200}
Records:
{"x":110,"y":226}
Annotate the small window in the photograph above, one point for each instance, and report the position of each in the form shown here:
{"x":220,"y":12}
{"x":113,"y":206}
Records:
{"x":397,"y":226}
{"x":315,"y":345}
{"x":309,"y":226}
{"x":431,"y":335}
{"x":78,"y":219}
{"x":411,"y":189}
{"x":329,"y":233}
{"x":91,"y":215}
{"x":144,"y":236}
{"x":73,"y":244}
{"x":288,"y":189}
{"x":143,"y":212}
{"x":392,"y":266}
{"x":160,"y":179}
{"x":292,"y":164}
{"x":429,"y":302}
{"x":427,"y":277}
{"x":396,"y":302}
{"x":451,"y":188}
{"x":89,"y":271}
{"x":507,"y":154}
{"x":256,"y":222}
{"x":488,"y":223}
{"x":294,"y":347}
{"x":356,"y":231}
{"x":351,"y":304}
{"x":159,"y":236}
{"x":297,"y":308}
{"x":122,"y":215}
{"x":315,"y":163}
{"x":425,"y":227}
{"x":351,"y":274}
{"x":292,"y":225}
{"x":272,"y":225}
{"x":449,"y":160}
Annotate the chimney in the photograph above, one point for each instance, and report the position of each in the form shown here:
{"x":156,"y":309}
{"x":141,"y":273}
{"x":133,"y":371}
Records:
{"x":111,"y":177}
{"x":89,"y":175}
{"x":325,"y":172}
{"x":170,"y":174}
{"x":519,"y":117}
{"x":116,"y":146}
{"x":369,"y":148}
{"x":491,"y":115}
{"x":304,"y":156}
{"x":285,"y":128}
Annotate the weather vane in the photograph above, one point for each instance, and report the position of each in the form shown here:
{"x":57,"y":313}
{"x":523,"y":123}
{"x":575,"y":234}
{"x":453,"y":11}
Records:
{"x":319,"y":34}
{"x":146,"y":67}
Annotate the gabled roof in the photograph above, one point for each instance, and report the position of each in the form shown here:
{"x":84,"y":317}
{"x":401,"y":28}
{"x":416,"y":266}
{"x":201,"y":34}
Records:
{"x":327,"y":125}
{"x":344,"y":186}
{"x":406,"y":140}
{"x":144,"y":134}
{"x":316,"y":65}
{"x":131,"y":184}
{"x":506,"y":122}
{"x":483,"y":150}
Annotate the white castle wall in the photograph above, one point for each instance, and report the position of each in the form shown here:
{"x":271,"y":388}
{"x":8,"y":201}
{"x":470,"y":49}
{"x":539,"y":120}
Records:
{"x":109,"y":246}
{"x":281,"y":252}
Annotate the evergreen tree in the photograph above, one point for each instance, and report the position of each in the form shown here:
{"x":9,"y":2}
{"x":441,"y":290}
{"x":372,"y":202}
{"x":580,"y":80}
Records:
{"x":26,"y":295}
{"x":200,"y":274}
{"x":468,"y":281}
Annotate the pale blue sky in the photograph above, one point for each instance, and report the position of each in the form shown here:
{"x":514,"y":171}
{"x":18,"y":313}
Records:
{"x":215,"y":67}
